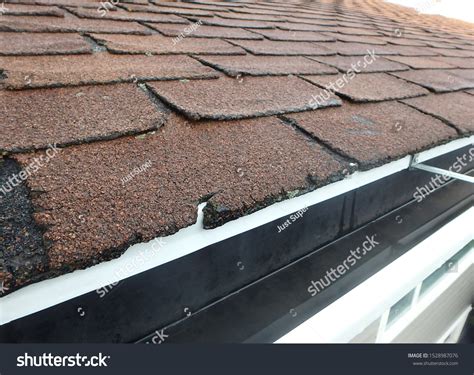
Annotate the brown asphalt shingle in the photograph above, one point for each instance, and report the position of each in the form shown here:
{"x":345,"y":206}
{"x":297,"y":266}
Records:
{"x":68,"y":24}
{"x":239,"y":98}
{"x":266,"y":65}
{"x":42,"y":44}
{"x":218,"y":21}
{"x":56,"y":71}
{"x":30,"y":10}
{"x":421,"y":62}
{"x":162,"y":45}
{"x":127,"y":16}
{"x":202,"y":31}
{"x":440,"y":80}
{"x":366,"y":64}
{"x":374,"y":134}
{"x":295,"y":36}
{"x":457,"y":109}
{"x":92,"y":213}
{"x":270,"y":47}
{"x":371,"y":87}
{"x":74,"y":115}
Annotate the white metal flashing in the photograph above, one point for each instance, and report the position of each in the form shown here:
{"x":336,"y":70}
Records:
{"x":45,"y":294}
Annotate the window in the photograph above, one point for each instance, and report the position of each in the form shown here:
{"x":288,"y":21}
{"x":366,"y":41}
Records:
{"x":400,"y":308}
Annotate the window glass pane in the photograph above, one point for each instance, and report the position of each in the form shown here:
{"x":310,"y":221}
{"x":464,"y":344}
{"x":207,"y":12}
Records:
{"x":400,"y":308}
{"x":448,"y":267}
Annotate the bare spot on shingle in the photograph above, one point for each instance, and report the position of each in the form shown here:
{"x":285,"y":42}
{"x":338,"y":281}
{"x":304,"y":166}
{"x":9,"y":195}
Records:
{"x":377,"y":133}
{"x":457,"y":109}
{"x":371,"y":87}
{"x":66,"y":116}
{"x":228,"y":98}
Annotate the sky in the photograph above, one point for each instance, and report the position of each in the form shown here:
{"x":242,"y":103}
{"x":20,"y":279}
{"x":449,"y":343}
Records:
{"x":459,"y":9}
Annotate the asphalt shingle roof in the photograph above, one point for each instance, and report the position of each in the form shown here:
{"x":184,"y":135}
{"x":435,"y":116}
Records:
{"x":217,"y":99}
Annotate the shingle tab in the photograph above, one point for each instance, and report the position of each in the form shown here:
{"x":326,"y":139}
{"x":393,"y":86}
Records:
{"x":199,"y":31}
{"x":240,"y":98}
{"x":92,"y":215}
{"x":374,"y":134}
{"x":161,"y":45}
{"x":366,"y":64}
{"x":42,"y":44}
{"x":371,"y":87}
{"x":266,"y":65}
{"x":56,"y":71}
{"x":122,"y":15}
{"x":295,"y":36}
{"x":456,"y":109}
{"x":269,"y":47}
{"x":68,"y":24}
{"x":440,"y":80}
{"x":74,"y":115}
{"x":421,"y":62}
{"x":30,"y":10}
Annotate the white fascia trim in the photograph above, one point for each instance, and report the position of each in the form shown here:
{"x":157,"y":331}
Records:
{"x":47,"y":293}
{"x":368,"y":301}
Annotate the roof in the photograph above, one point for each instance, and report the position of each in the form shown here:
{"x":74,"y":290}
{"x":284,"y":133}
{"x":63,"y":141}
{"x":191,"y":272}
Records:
{"x":117,"y":121}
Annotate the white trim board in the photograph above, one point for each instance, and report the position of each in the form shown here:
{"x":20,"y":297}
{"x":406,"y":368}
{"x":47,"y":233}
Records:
{"x":47,"y":293}
{"x":369,"y":300}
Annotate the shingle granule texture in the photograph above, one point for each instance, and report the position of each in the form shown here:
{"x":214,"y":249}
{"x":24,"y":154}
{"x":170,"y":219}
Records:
{"x":56,"y":71}
{"x":128,"y":16}
{"x":295,"y":36}
{"x":239,"y":98}
{"x":30,"y":10}
{"x":269,"y":47}
{"x":371,"y":87}
{"x":161,"y":45}
{"x":457,"y":62}
{"x":217,"y":21}
{"x":421,"y":62}
{"x":440,"y":80}
{"x":346,"y":63}
{"x":198,"y":31}
{"x":74,"y":115}
{"x":374,"y":134}
{"x":457,"y":109}
{"x":42,"y":44}
{"x":266,"y":65}
{"x":92,"y":215}
{"x":69,"y":24}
